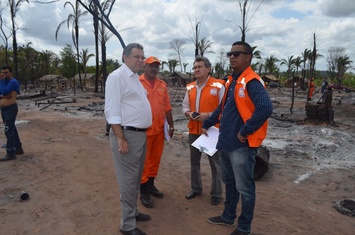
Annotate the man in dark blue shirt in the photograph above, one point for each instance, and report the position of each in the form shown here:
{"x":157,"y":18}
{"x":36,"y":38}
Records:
{"x":243,"y":115}
{"x":9,"y":89}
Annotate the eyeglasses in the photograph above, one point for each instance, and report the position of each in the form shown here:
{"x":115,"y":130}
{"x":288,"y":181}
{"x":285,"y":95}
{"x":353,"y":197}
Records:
{"x":235,"y":53}
{"x":139,"y":57}
{"x":198,"y":67}
{"x":5,"y":72}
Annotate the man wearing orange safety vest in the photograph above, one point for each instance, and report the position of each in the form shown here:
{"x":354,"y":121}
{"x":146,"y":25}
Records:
{"x":242,"y":116}
{"x":202,"y":98}
{"x":161,"y":109}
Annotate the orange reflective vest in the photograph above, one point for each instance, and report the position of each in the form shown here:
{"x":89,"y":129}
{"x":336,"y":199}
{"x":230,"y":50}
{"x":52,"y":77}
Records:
{"x":245,"y":105}
{"x":159,"y":100}
{"x":208,"y":102}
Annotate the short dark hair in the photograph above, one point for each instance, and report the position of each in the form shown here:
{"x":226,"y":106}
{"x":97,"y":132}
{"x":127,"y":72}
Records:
{"x":7,"y":67}
{"x":128,"y":49}
{"x":204,"y":59}
{"x":246,"y":46}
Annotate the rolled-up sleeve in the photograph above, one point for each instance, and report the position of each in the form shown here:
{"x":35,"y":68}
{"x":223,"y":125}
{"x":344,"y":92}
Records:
{"x":185,"y":104}
{"x":113,"y":96}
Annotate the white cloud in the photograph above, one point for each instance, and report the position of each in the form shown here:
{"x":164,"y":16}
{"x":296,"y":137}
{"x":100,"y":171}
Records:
{"x":279,"y":28}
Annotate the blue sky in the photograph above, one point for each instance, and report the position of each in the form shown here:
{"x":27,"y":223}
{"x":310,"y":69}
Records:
{"x":279,"y":28}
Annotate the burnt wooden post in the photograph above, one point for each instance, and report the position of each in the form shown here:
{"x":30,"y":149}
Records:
{"x":321,"y":111}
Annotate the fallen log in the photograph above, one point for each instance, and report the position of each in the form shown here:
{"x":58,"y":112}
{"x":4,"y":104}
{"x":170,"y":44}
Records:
{"x":45,"y":107}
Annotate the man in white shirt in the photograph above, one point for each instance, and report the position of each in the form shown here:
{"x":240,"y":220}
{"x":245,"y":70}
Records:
{"x":201,"y":99}
{"x":128,"y":112}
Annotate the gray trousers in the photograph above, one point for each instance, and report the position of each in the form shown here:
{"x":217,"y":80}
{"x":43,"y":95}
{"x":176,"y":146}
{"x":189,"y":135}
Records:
{"x":195,"y":158}
{"x":129,"y":168}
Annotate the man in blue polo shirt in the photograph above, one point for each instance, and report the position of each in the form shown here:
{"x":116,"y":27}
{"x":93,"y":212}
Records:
{"x":9,"y":89}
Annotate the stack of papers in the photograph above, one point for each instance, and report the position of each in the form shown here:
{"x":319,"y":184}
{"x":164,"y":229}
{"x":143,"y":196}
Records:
{"x":207,"y":144}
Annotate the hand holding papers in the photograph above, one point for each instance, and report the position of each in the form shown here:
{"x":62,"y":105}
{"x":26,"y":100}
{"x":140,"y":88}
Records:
{"x":207,"y":144}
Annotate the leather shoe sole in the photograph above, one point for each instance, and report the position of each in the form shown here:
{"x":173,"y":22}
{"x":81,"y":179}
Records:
{"x":135,"y":231}
{"x":191,"y":195}
{"x":143,"y":217}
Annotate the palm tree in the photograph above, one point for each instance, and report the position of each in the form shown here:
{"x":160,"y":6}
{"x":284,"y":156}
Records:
{"x":290,"y":63}
{"x":172,"y":65}
{"x":306,"y":56}
{"x":256,"y":53}
{"x":45,"y":59}
{"x":204,"y":45}
{"x":343,"y":64}
{"x":219,"y":71}
{"x":162,"y":65}
{"x":28,"y":56}
{"x":84,"y":57}
{"x":298,"y":62}
{"x":270,"y":64}
{"x":73,"y":21}
{"x":244,"y":12}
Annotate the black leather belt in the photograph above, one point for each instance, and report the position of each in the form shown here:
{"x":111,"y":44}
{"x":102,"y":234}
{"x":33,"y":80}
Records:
{"x":131,"y":128}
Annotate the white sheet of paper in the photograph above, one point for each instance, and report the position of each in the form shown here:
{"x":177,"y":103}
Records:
{"x":207,"y":144}
{"x":166,"y":130}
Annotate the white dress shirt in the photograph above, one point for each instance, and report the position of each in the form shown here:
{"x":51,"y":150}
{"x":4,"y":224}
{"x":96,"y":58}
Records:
{"x":126,"y":101}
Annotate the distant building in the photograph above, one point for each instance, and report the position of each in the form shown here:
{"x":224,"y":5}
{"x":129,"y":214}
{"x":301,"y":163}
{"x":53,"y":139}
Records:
{"x":87,"y":80}
{"x":53,"y":81}
{"x":270,"y":78}
{"x":178,"y":79}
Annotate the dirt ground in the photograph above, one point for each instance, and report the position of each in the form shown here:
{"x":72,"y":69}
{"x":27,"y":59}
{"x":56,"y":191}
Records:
{"x":68,"y":172}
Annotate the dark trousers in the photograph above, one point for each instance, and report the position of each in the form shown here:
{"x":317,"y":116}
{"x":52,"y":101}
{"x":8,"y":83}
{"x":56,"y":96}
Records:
{"x":196,"y":182}
{"x":9,"y":114}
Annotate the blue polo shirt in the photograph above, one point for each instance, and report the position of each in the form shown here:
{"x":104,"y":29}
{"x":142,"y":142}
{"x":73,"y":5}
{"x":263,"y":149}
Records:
{"x":9,"y":85}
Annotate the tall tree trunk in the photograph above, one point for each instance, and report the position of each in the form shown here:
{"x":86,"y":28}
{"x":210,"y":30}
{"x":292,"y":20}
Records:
{"x":78,"y":55}
{"x":96,"y":31}
{"x":104,"y":69}
{"x":244,"y":20}
{"x":14,"y":40}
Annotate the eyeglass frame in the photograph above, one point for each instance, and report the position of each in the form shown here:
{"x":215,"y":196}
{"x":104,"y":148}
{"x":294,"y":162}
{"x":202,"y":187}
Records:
{"x":236,"y":54}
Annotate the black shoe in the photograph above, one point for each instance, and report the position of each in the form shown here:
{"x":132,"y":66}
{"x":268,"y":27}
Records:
{"x":143,"y":217}
{"x":153,"y":190}
{"x":19,"y":151}
{"x":8,"y":157}
{"x":191,"y":195}
{"x":145,"y":196}
{"x":237,"y":232}
{"x":215,"y":200}
{"x":219,"y":220}
{"x":135,"y":231}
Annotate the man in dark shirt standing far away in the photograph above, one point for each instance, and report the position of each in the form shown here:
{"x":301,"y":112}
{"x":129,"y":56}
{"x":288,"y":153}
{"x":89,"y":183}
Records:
{"x":9,"y":89}
{"x":243,"y":115}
